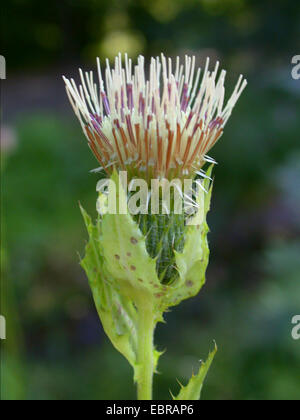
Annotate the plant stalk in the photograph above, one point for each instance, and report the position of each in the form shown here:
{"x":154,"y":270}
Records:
{"x":145,"y":351}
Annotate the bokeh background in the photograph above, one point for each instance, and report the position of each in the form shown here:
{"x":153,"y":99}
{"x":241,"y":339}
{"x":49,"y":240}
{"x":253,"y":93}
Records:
{"x":56,"y":348}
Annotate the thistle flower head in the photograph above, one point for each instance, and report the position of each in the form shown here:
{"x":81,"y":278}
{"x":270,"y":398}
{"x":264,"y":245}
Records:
{"x":157,"y":128}
{"x":141,"y":264}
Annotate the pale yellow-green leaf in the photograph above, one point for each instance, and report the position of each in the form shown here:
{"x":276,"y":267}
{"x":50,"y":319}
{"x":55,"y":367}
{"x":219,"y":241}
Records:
{"x":126,"y":257}
{"x":192,"y":391}
{"x":192,"y":262}
{"x":118,"y":315}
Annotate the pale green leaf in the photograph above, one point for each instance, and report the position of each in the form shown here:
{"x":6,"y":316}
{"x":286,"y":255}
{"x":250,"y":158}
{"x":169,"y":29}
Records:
{"x":118,"y":315}
{"x":126,"y":257}
{"x":192,"y":391}
{"x":192,"y":262}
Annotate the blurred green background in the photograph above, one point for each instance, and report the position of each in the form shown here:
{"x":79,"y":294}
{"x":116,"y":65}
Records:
{"x":56,"y":348}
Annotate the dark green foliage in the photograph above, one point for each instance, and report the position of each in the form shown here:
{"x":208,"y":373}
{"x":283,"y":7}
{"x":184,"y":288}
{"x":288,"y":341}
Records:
{"x":165,"y":234}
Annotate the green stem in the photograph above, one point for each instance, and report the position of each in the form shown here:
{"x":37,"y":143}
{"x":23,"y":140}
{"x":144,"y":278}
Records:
{"x":145,"y":351}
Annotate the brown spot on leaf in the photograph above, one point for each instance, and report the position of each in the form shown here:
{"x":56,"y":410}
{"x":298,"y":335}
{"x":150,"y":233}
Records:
{"x":158,"y":295}
{"x":133,"y":240}
{"x":189,"y":283}
{"x":141,"y":280}
{"x":133,"y":268}
{"x":117,"y":257}
{"x":128,"y":254}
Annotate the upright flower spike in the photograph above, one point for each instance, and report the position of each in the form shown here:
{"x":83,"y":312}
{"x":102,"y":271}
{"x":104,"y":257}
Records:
{"x":140,"y":265}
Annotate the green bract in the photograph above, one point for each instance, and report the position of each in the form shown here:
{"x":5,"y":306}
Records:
{"x":192,"y":391}
{"x":129,"y":293}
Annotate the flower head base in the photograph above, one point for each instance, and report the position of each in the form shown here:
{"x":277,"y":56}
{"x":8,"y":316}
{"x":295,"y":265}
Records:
{"x":148,"y":128}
